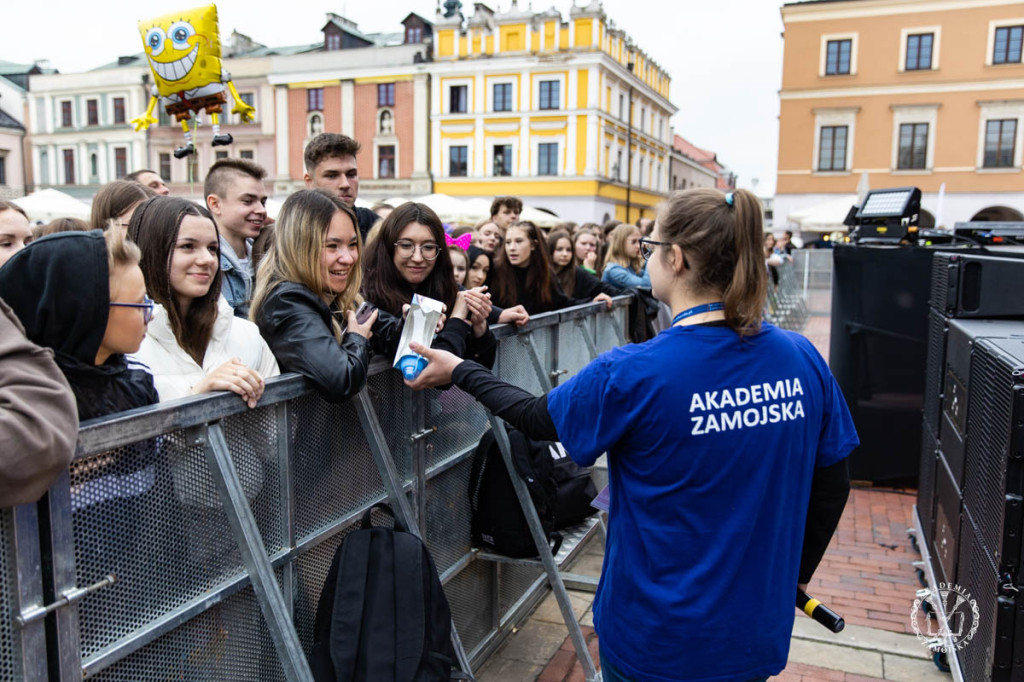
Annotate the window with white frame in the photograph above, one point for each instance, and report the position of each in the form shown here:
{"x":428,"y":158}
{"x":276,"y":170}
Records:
{"x":833,"y":139}
{"x":458,"y":159}
{"x":547,"y":158}
{"x":919,"y":48}
{"x":548,"y":91}
{"x":1001,"y":135}
{"x":838,"y":55}
{"x":456,"y":95}
{"x":913,"y":137}
{"x":386,"y":161}
{"x":501,"y":97}
{"x":1006,"y":39}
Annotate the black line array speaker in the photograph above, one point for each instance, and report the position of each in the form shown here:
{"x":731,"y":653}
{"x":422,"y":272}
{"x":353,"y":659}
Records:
{"x":977,"y":285}
{"x":877,"y":353}
{"x":989,"y":564}
{"x":971,"y":486}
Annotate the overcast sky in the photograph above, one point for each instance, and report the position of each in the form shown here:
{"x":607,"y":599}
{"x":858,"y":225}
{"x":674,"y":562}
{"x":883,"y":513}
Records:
{"x":724,"y":56}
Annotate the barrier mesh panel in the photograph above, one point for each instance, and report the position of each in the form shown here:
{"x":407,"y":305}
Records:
{"x":228,"y":642}
{"x":460,"y":422}
{"x":393,"y":403}
{"x":515,"y":581}
{"x":988,"y":433}
{"x":310,"y":573}
{"x":515,"y":364}
{"x":252,"y":440}
{"x":606,"y":324}
{"x":9,"y":667}
{"x":333,"y":469}
{"x":448,"y":515}
{"x":149,"y":513}
{"x":573,"y":354}
{"x":469,"y":596}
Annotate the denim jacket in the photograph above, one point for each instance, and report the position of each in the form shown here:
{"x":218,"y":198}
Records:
{"x":236,"y":283}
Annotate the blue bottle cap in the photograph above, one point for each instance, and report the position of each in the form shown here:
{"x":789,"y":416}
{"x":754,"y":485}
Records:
{"x":411,"y":365}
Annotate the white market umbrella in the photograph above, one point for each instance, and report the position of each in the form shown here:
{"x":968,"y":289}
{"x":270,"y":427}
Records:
{"x":50,"y":204}
{"x":538,"y":217}
{"x":824,"y":217}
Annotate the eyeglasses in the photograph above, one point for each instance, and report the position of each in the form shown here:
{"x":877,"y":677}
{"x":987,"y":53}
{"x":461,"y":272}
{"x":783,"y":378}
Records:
{"x":406,"y":249}
{"x":646,"y":249}
{"x":146,"y":305}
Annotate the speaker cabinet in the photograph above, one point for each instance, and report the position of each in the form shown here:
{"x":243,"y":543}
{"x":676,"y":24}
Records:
{"x":978,"y":285}
{"x":990,"y":653}
{"x":994,"y":467}
{"x":947,"y":522}
{"x":926,"y":487}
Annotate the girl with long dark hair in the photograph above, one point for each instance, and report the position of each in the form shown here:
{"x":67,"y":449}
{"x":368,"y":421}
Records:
{"x":410,"y":257}
{"x":195,"y":343}
{"x":524,"y":275}
{"x":575,"y":280}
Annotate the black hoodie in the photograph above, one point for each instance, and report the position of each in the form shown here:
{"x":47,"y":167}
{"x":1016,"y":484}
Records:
{"x":59,"y":288}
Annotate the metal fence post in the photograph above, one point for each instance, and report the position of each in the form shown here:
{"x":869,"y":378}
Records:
{"x":544,"y":551}
{"x":254,"y":556}
{"x":22,"y":529}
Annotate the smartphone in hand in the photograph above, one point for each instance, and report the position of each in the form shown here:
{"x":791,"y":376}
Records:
{"x":364,"y":312}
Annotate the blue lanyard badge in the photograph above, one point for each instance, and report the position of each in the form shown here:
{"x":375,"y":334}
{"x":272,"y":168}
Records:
{"x":697,"y":310}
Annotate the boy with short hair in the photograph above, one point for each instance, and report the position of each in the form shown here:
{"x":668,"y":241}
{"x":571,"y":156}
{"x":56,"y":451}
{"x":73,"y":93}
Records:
{"x":237,"y":200}
{"x":505,"y":211}
{"x":330,"y":160}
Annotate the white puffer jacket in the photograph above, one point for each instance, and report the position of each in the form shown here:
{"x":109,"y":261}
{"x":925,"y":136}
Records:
{"x":174,"y":370}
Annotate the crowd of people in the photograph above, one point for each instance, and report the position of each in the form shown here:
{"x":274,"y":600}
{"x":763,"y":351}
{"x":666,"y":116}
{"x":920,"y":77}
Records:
{"x":726,"y":436}
{"x":156,"y":297}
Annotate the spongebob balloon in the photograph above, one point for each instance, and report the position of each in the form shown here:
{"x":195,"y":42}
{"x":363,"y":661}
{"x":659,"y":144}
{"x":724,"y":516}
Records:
{"x":183,"y":49}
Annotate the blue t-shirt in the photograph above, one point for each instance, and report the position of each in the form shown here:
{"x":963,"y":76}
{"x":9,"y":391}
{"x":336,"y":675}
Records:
{"x":712,"y":442}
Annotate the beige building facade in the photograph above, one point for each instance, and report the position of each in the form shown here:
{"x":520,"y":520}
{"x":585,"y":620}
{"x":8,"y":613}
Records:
{"x":925,"y":93}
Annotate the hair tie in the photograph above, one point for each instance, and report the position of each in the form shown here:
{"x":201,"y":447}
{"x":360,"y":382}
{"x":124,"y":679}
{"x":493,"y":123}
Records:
{"x":462,"y":242}
{"x":729,"y":199}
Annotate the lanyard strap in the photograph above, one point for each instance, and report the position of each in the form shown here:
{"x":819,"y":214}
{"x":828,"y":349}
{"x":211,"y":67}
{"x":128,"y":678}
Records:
{"x":697,"y":310}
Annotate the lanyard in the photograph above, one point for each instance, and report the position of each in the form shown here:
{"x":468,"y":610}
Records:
{"x":697,"y":310}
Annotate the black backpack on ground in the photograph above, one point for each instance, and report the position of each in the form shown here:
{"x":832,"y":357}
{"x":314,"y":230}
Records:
{"x":382,"y":616}
{"x":561,"y":492}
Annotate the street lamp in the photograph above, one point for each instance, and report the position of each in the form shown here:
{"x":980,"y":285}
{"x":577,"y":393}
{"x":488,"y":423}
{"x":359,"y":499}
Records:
{"x":629,"y":140}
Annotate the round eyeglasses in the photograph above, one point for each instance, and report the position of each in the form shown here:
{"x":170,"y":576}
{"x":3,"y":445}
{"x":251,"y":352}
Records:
{"x":406,"y":248}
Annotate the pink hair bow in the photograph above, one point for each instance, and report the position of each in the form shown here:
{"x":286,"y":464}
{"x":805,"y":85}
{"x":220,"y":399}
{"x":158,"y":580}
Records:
{"x":462,"y":242}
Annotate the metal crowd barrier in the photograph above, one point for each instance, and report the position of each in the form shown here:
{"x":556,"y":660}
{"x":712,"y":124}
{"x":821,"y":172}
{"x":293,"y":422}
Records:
{"x":190,"y":540}
{"x":786,"y":306}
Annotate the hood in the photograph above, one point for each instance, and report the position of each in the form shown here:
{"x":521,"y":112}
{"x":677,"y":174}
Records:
{"x":59,"y":288}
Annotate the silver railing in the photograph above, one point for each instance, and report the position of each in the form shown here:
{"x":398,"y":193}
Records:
{"x":786,"y":304}
{"x":190,"y":540}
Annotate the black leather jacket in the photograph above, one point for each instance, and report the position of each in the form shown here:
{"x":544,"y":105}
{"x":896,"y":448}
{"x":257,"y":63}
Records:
{"x":296,"y":324}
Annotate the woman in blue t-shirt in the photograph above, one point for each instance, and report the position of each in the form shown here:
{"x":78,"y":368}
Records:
{"x":726,"y":441}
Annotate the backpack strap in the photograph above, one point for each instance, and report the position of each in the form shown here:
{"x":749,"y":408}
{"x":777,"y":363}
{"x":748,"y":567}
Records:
{"x":367,"y":523}
{"x":347,"y":614}
{"x":410,"y":601}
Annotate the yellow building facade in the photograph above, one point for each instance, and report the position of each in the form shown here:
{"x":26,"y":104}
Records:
{"x":531,"y":105}
{"x":925,"y":93}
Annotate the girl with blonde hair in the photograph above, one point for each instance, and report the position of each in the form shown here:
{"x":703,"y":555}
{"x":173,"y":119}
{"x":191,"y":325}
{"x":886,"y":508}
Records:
{"x":623,"y":265}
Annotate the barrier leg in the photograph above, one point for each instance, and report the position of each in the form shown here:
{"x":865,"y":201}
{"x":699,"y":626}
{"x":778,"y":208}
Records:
{"x":254,"y":556}
{"x":21,"y":534}
{"x":544,"y":550}
{"x":396,"y":494}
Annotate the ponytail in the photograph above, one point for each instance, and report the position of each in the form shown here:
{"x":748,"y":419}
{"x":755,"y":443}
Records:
{"x":724,"y":235}
{"x":744,"y":296}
